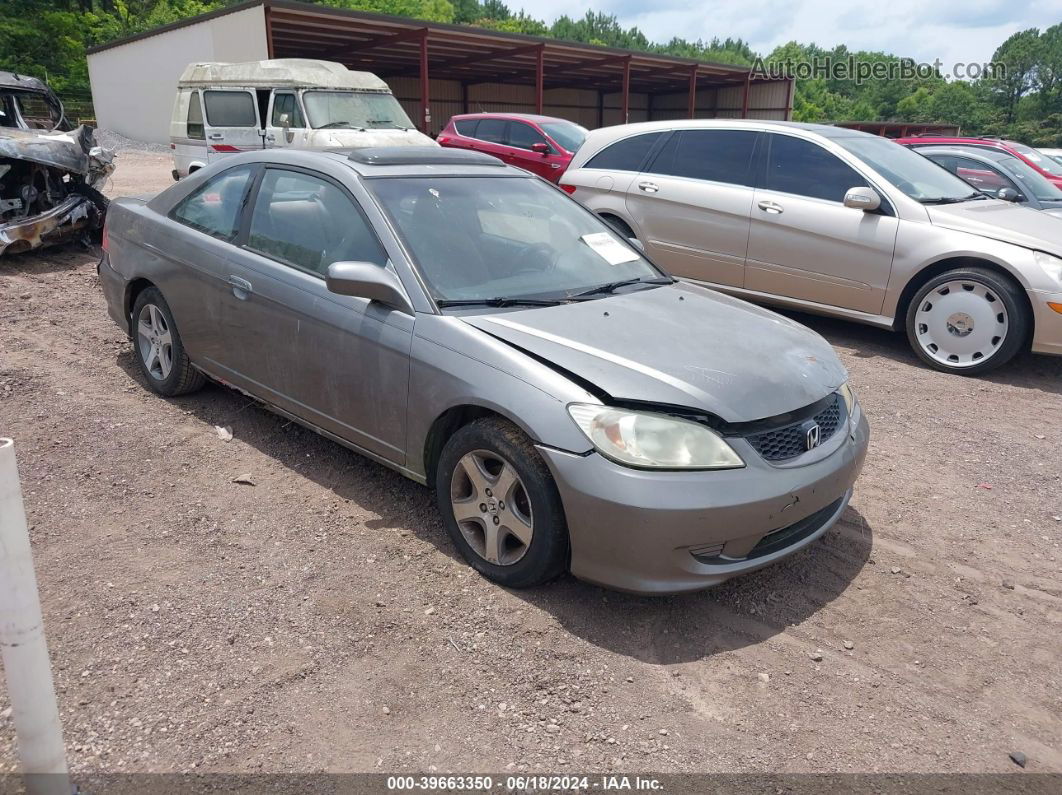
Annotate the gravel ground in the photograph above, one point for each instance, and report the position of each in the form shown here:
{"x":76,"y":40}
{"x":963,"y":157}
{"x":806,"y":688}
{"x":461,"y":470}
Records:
{"x":319,"y":619}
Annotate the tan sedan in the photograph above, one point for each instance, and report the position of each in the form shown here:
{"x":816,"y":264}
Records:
{"x":833,"y":221}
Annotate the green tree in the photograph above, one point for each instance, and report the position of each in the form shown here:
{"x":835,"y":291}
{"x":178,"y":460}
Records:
{"x":1019,"y":56}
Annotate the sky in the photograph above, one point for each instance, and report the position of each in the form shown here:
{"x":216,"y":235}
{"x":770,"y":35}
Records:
{"x":966,"y":31}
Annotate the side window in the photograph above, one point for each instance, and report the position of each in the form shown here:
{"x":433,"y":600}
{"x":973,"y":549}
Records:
{"x":230,"y":109}
{"x":983,"y":176}
{"x":306,"y":221}
{"x":492,"y":130}
{"x":285,"y":104}
{"x":804,"y":168}
{"x":522,"y":136}
{"x":716,"y":155}
{"x":625,"y":155}
{"x":214,"y":207}
{"x":195,"y":117}
{"x":467,"y":127}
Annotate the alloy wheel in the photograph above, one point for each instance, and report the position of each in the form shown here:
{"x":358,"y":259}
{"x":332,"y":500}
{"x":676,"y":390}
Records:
{"x":492,"y":507}
{"x":961,"y":323}
{"x":155,"y":342}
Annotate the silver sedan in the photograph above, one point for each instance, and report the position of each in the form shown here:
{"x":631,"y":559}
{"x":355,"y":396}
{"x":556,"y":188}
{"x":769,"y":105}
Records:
{"x":467,"y":324}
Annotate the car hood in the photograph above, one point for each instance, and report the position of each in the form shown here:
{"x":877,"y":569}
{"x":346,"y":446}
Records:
{"x":678,"y":345}
{"x":1000,"y":220}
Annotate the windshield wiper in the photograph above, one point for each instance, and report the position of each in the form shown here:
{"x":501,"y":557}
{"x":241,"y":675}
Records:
{"x":340,"y":124}
{"x":499,"y":302}
{"x":952,"y":199}
{"x":611,"y":287}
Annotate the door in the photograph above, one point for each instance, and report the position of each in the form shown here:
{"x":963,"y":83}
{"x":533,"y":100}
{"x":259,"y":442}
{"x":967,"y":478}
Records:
{"x":692,"y":204}
{"x":804,"y":243}
{"x":231,"y":122}
{"x":285,"y":123}
{"x":492,"y":137}
{"x":522,"y":138}
{"x":187,"y":135}
{"x":197,"y":240}
{"x":339,"y":362}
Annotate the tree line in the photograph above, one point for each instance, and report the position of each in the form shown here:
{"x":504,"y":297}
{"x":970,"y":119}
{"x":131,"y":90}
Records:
{"x":1022,"y":99}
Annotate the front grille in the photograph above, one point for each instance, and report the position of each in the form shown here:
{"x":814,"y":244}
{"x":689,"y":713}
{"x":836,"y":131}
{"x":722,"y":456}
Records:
{"x":781,"y":444}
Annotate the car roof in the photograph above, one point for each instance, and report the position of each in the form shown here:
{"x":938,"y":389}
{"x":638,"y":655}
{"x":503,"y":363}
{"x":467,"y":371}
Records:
{"x":538,"y":119}
{"x":390,"y":161}
{"x":995,"y":155}
{"x":825,"y":130}
{"x":936,"y":140}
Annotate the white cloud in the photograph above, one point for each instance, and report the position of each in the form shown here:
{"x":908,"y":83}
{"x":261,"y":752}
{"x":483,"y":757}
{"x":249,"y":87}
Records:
{"x":966,"y":32}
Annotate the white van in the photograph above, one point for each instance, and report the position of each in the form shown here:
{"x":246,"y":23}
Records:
{"x":222,"y":108}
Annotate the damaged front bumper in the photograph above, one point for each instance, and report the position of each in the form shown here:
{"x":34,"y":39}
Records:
{"x":47,"y":187}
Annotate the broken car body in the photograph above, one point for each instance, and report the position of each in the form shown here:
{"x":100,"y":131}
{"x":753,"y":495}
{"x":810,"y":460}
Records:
{"x":47,"y":174}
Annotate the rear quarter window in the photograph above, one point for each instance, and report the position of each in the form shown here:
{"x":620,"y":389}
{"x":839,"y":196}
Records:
{"x":466,"y":127}
{"x":626,"y":155}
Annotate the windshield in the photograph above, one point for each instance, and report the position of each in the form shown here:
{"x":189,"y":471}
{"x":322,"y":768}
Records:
{"x":1038,"y":157}
{"x":481,"y":238}
{"x":568,"y":135}
{"x":917,"y":176}
{"x":1031,"y":181}
{"x":355,"y":110}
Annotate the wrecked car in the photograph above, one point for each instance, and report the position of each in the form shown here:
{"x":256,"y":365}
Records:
{"x":466,"y":323}
{"x":48,"y":172}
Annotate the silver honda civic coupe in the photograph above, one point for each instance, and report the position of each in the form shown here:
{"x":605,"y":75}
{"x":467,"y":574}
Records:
{"x":467,"y":324}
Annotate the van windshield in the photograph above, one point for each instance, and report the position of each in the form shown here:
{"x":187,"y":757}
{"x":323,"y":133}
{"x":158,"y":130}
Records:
{"x":358,"y":110}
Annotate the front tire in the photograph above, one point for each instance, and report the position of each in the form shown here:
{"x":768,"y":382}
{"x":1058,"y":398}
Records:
{"x":500,"y":505}
{"x":967,"y":321}
{"x":158,"y":348}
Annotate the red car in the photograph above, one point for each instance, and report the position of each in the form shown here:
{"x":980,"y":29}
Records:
{"x":542,"y":145}
{"x":1038,"y":161}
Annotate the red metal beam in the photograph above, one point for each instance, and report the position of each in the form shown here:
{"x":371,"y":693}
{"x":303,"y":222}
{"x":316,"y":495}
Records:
{"x":693,"y":92}
{"x":383,"y":41}
{"x":539,"y":70}
{"x":268,"y":11}
{"x":627,"y":89}
{"x":425,"y":108}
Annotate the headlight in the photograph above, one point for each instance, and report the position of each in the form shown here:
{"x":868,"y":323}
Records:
{"x":1051,"y":265}
{"x":645,"y":439}
{"x":849,"y":397}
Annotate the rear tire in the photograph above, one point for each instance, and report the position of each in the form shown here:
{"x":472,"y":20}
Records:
{"x":500,"y":505}
{"x":967,"y":321}
{"x":158,"y":348}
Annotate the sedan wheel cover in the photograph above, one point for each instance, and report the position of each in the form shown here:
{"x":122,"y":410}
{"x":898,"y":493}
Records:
{"x":961,"y":323}
{"x":492,"y":507}
{"x":155,"y":342}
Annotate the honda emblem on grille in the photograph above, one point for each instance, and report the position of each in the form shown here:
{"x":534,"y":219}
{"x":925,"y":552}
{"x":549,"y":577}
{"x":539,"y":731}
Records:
{"x":813,"y":435}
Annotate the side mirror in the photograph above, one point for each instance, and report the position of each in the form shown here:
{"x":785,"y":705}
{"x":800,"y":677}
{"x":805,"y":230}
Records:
{"x":866,"y":199}
{"x":541,"y":148}
{"x":1008,"y":195}
{"x":366,"y":280}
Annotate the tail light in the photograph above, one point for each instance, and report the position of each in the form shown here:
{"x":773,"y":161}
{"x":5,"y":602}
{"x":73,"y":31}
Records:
{"x":173,"y":146}
{"x":443,"y":139}
{"x":569,"y":189}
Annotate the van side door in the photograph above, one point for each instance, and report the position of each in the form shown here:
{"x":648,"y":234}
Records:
{"x":231,"y":121}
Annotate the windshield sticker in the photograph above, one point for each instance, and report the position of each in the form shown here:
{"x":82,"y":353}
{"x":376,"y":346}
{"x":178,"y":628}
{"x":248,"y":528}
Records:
{"x":609,"y":249}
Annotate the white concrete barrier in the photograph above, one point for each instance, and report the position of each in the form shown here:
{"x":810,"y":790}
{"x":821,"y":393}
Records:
{"x":25,"y":654}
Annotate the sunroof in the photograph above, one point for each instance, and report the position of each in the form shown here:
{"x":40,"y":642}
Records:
{"x":421,"y":156}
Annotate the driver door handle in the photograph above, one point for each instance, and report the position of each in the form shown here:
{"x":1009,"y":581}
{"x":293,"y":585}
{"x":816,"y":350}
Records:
{"x":771,"y":207}
{"x":241,"y":288}
{"x":649,"y":187}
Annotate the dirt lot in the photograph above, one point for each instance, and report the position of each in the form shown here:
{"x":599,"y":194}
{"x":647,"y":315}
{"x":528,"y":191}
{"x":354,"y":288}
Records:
{"x":319,"y":620}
